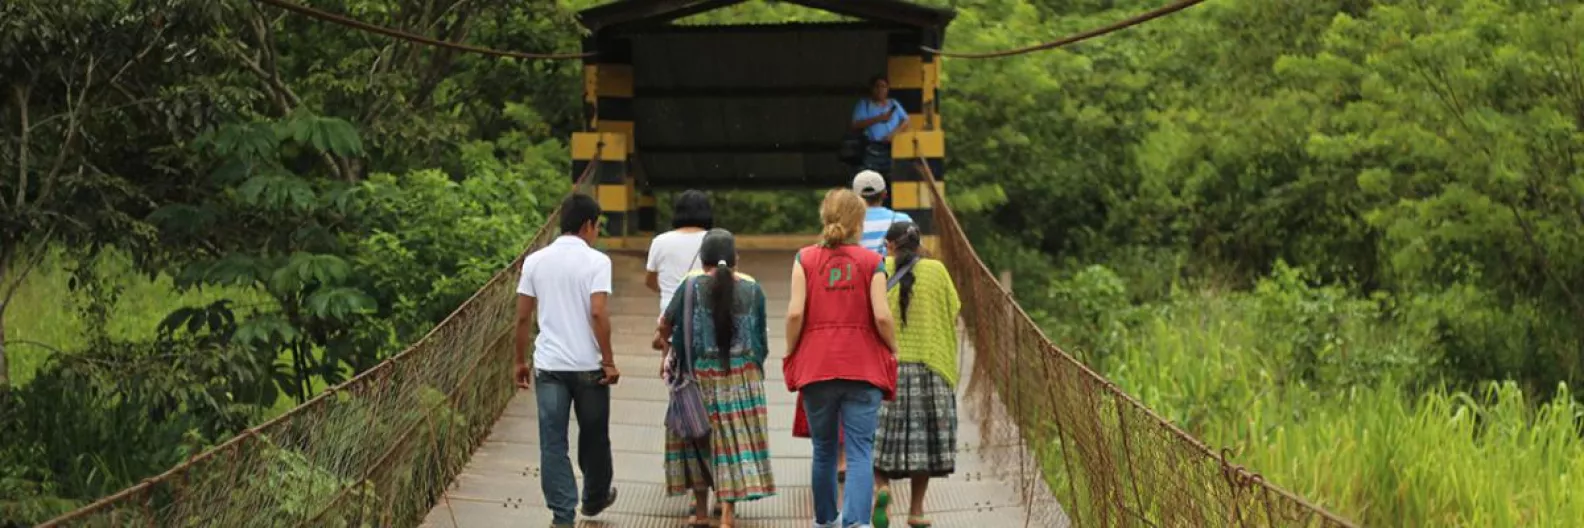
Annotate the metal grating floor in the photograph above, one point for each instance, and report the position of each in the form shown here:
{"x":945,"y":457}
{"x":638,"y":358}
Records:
{"x":500,"y":485}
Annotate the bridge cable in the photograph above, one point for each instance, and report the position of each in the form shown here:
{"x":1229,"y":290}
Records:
{"x":420,"y":39}
{"x":1074,"y":38}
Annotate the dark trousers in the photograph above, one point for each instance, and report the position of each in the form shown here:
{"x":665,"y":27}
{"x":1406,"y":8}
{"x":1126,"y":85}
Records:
{"x":560,"y":394}
{"x":877,"y":157}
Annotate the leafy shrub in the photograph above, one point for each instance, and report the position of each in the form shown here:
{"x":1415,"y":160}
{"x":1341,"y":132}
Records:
{"x":1476,"y":336}
{"x":97,"y":420}
{"x":1324,"y":335}
{"x":433,"y":241}
{"x":1093,"y":304}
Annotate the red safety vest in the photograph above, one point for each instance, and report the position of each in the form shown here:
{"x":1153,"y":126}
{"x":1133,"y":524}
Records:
{"x":839,"y":339}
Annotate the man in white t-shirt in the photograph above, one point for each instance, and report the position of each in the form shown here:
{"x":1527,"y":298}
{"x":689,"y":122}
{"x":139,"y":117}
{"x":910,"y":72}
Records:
{"x":674,"y":253}
{"x":567,"y":284}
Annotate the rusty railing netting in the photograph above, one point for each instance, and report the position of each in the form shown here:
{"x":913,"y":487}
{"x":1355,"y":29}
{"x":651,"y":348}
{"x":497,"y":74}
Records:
{"x":1087,"y":453}
{"x":373,"y":451}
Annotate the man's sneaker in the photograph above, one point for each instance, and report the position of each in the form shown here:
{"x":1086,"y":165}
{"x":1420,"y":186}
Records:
{"x":592,"y":510}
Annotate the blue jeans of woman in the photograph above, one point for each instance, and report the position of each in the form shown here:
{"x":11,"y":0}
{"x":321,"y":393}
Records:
{"x":851,"y":407}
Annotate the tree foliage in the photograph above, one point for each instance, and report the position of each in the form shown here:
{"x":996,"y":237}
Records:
{"x":360,"y":187}
{"x":1428,"y":150}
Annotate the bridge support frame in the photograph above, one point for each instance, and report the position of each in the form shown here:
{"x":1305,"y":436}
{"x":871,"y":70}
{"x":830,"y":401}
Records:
{"x":608,"y":108}
{"x":915,"y":79}
{"x":613,"y":186}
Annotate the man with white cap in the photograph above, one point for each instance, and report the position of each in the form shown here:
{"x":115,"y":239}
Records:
{"x":872,"y":187}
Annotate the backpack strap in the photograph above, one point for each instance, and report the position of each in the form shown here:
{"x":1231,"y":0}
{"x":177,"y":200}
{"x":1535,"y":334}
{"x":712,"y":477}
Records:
{"x":688,"y":293}
{"x":896,"y":278}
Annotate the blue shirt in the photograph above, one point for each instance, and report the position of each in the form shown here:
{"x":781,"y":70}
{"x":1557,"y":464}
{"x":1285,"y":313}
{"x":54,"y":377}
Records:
{"x":868,"y":109}
{"x":877,"y":221}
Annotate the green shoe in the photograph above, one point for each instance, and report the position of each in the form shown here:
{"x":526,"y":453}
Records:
{"x":882,"y":503}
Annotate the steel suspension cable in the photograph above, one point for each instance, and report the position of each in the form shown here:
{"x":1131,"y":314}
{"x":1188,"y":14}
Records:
{"x":420,"y":39}
{"x":1074,"y":38}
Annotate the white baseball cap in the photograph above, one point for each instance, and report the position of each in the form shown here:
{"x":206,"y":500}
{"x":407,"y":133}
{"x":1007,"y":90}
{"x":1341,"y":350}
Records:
{"x":869,"y":183}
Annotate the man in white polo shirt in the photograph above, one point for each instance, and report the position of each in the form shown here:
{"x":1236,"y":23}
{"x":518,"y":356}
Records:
{"x":567,"y":284}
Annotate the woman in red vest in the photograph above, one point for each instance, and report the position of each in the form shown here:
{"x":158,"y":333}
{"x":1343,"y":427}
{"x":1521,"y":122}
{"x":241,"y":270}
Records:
{"x":842,"y":358}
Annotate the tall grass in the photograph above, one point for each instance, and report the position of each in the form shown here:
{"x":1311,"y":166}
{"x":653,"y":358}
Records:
{"x":1322,"y":395}
{"x":45,"y":315}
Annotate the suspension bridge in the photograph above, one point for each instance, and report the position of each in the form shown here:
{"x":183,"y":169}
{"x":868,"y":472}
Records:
{"x":439,"y":436}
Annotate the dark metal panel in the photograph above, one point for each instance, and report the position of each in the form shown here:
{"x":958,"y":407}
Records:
{"x":641,"y":12}
{"x":772,"y":27}
{"x":675,"y":61}
{"x":908,"y":170}
{"x":911,"y":99}
{"x":747,"y":170}
{"x":618,"y":108}
{"x":610,"y":50}
{"x":904,"y":43}
{"x":747,"y":148}
{"x":923,"y":218}
{"x":682,"y":122}
{"x":751,"y":92}
{"x":752,"y":109}
{"x":764,"y":109}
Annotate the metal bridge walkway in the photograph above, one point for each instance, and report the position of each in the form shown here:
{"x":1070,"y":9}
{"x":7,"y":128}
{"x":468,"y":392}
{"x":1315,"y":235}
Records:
{"x":500,"y":485}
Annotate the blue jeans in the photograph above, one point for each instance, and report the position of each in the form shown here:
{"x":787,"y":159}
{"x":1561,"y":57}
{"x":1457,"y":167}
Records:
{"x":559,"y":394}
{"x":853,"y":407}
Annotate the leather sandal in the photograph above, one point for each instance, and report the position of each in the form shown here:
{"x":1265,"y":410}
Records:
{"x":919,"y":521}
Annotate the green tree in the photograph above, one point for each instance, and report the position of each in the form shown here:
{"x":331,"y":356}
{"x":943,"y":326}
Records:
{"x":89,"y":101}
{"x":1464,"y":126}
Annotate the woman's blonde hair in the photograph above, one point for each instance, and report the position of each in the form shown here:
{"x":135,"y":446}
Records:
{"x":842,"y":213}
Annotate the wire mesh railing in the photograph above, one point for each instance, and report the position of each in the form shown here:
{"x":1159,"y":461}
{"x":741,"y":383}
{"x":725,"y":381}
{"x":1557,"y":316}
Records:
{"x":1092,"y":455}
{"x":373,"y":451}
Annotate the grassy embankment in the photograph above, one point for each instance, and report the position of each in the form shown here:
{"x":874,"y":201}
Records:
{"x":1322,"y":394}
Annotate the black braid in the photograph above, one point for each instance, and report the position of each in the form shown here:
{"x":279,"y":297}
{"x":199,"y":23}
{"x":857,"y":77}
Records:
{"x":905,"y":237}
{"x":719,"y":249}
{"x":723,"y":298}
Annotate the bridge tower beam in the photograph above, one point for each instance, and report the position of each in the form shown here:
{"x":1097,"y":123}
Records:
{"x":608,"y":111}
{"x":915,"y":79}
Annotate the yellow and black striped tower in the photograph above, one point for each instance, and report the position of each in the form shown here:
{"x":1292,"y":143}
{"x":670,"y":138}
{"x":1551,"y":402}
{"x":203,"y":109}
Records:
{"x":915,"y":76}
{"x":608,"y":109}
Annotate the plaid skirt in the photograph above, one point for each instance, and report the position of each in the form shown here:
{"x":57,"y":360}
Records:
{"x":917,"y":433}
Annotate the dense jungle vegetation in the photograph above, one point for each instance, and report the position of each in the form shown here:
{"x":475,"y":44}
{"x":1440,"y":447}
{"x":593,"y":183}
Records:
{"x":1344,"y":238}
